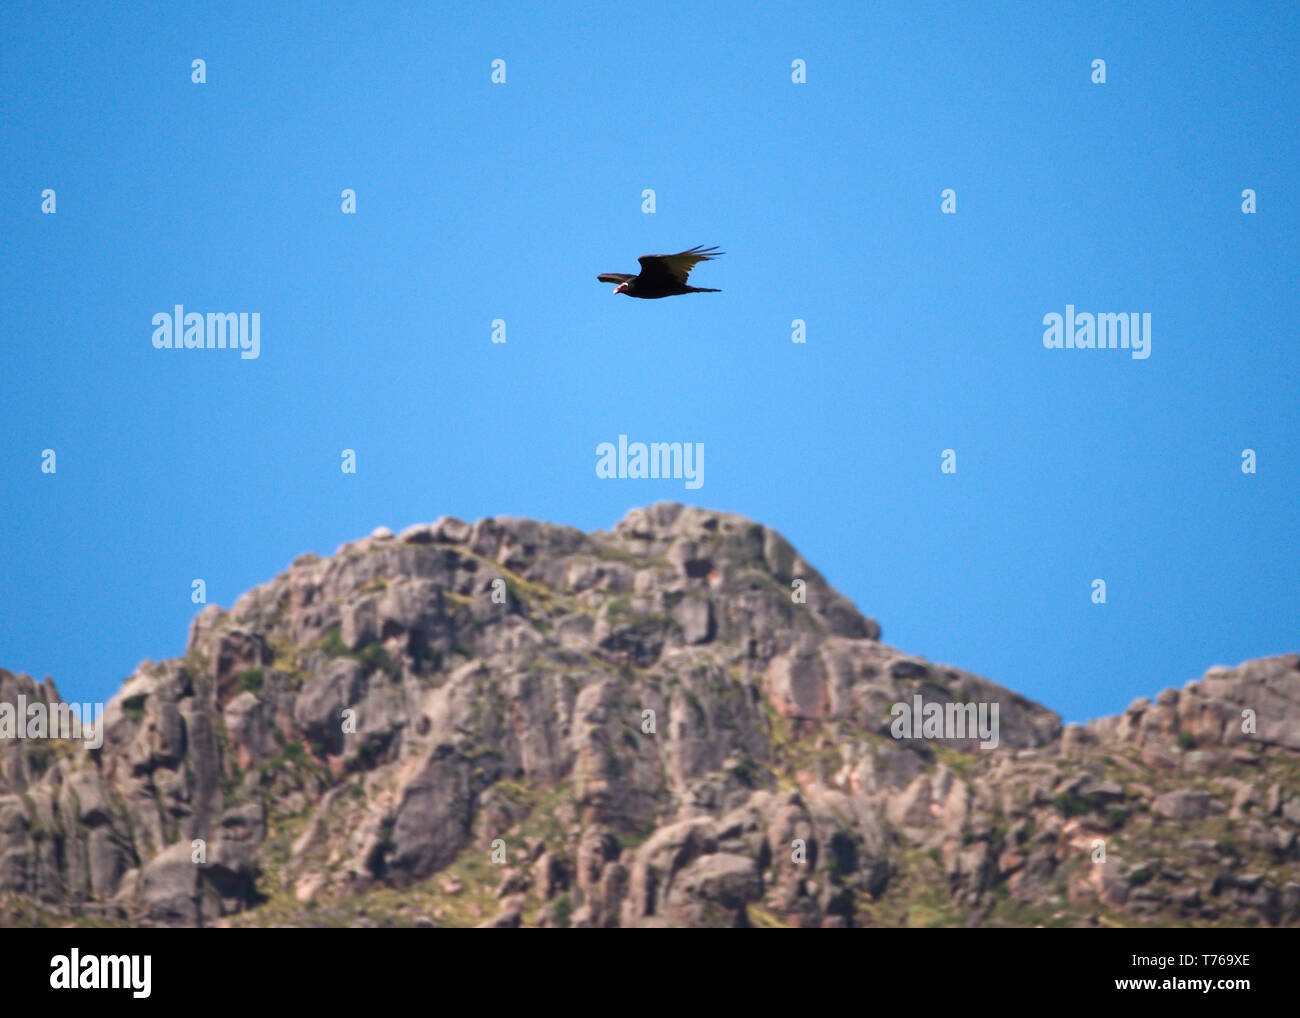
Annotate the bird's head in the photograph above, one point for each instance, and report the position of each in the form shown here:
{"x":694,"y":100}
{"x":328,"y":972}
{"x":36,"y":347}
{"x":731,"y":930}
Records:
{"x":621,"y":288}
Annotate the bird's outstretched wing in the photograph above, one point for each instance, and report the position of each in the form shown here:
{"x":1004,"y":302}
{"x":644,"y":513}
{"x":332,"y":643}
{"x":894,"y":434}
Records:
{"x":675,"y":267}
{"x":614,"y":277}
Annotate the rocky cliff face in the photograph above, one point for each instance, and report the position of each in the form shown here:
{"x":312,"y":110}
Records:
{"x":678,"y":722}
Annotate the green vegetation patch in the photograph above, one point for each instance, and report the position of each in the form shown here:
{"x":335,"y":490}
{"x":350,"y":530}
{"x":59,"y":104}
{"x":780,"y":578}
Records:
{"x":250,"y":680}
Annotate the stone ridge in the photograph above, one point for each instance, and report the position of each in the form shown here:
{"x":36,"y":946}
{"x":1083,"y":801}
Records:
{"x":676,"y":722}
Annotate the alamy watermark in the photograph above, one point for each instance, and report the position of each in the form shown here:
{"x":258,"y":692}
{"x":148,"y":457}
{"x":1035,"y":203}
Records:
{"x":935,"y":720}
{"x":678,"y":460}
{"x":1104,"y":331}
{"x":214,"y":331}
{"x":75,"y":971}
{"x":40,"y":720}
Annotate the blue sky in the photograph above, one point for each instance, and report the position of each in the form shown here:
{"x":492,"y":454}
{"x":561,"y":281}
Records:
{"x":478,"y":201}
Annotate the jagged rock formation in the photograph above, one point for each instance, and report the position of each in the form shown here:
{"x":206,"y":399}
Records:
{"x":449,"y":727}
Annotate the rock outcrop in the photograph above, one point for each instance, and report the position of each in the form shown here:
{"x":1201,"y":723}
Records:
{"x":678,"y":722}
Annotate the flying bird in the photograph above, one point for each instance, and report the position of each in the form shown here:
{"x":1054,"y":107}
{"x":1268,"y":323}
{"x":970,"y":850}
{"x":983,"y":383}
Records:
{"x":662,"y":275}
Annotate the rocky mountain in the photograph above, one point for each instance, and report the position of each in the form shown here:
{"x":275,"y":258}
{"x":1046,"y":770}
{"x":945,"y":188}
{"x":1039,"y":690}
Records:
{"x":674,"y":723}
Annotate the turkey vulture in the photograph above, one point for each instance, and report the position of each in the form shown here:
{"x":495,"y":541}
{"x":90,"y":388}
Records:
{"x":662,"y":275}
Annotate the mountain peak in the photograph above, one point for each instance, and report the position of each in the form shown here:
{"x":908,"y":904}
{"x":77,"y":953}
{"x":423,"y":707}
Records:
{"x":677,"y":721}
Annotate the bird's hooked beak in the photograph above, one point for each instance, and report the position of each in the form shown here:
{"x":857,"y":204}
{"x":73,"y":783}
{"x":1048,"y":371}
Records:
{"x":620,"y":288}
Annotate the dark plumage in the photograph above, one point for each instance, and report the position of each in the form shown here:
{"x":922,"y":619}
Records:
{"x":662,"y":275}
